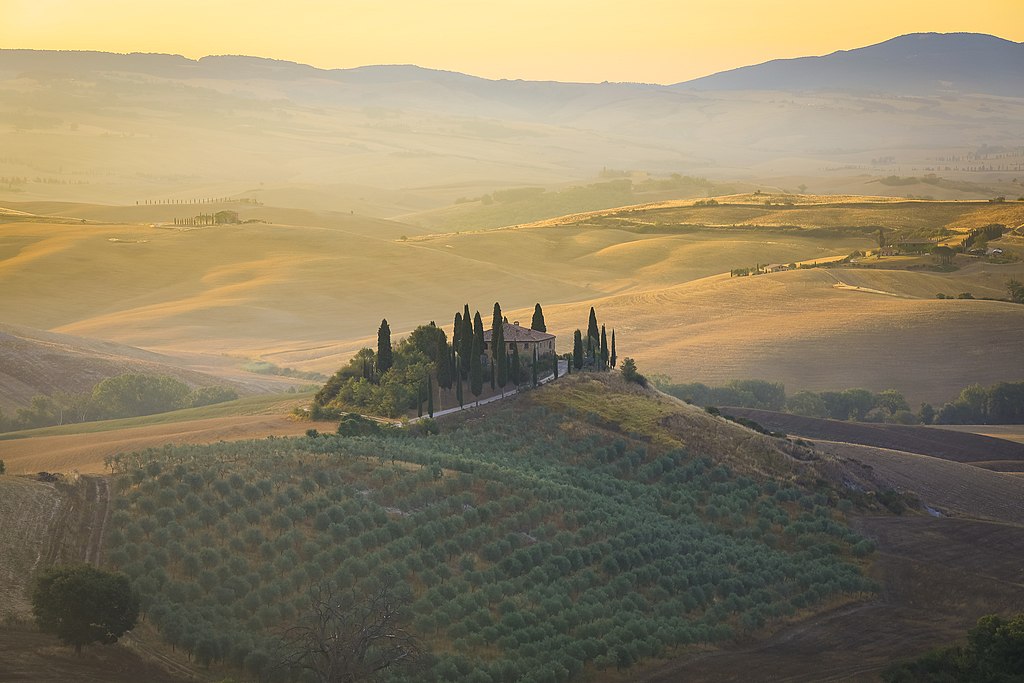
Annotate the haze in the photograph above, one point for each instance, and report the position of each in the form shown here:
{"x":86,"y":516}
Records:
{"x":662,"y":41}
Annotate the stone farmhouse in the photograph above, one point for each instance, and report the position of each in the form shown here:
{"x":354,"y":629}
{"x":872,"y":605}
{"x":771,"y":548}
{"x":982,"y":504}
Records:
{"x":523,"y":338}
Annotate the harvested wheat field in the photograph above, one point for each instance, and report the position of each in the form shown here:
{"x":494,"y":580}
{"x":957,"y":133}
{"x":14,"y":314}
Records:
{"x":797,"y":328}
{"x":85,"y":452}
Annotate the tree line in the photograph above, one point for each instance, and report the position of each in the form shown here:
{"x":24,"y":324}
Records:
{"x":127,"y":395}
{"x":1001,"y":403}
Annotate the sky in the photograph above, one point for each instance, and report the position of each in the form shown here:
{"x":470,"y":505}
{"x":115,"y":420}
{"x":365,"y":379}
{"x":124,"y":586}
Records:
{"x":654,"y":41}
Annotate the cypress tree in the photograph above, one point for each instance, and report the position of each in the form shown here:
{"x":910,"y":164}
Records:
{"x":515,"y":365}
{"x":466,"y":341}
{"x":419,"y":401}
{"x":577,"y":349}
{"x":476,"y":370}
{"x":478,"y":332}
{"x":499,"y":362}
{"x":430,"y":395}
{"x":592,"y":330}
{"x":556,"y":365}
{"x":384,"y":355}
{"x":604,"y":349}
{"x":534,"y":381}
{"x":568,"y":364}
{"x":613,"y":358}
{"x":457,"y":332}
{"x":444,"y":368}
{"x":538,"y":320}
{"x":458,"y":381}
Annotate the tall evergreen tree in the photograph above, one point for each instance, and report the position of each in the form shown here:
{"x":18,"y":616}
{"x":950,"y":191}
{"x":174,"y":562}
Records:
{"x":476,"y":370}
{"x":538,"y":320}
{"x":457,"y":332}
{"x":499,"y":361}
{"x":592,"y":330}
{"x":478,"y":332}
{"x":444,"y":364}
{"x":577,"y":349}
{"x":614,"y":359}
{"x":466,"y":341}
{"x":534,"y":380}
{"x":458,"y":381}
{"x":430,"y":395}
{"x":419,"y":401}
{"x":604,"y":349}
{"x":555,"y":358}
{"x":384,"y":354}
{"x":516,"y":367}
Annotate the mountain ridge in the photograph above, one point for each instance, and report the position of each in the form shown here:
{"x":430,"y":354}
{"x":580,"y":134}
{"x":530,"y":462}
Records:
{"x":984,"y":50}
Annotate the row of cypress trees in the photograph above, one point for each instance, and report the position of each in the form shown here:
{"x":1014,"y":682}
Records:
{"x":595,"y":352}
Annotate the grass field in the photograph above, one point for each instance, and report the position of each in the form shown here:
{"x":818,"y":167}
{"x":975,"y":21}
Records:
{"x":83,"y":447}
{"x":308,"y":291}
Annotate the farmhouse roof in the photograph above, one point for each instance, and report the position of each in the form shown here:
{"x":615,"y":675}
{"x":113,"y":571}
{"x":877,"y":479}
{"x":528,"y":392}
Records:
{"x":515,"y":333}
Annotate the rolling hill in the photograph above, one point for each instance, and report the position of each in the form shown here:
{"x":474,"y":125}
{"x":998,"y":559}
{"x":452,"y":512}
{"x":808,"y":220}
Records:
{"x":308,"y":293}
{"x":917,"y":64}
{"x":393,"y":140}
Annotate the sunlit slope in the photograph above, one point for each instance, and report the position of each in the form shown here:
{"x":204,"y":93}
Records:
{"x":316,"y":291}
{"x":34,"y":362}
{"x":798,"y":328}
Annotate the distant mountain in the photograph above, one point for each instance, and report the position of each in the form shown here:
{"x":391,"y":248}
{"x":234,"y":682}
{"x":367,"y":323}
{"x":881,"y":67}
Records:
{"x":442,"y":135}
{"x":919,"y":63}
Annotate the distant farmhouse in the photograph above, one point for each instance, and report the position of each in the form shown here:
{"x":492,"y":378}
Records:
{"x":523,"y":338}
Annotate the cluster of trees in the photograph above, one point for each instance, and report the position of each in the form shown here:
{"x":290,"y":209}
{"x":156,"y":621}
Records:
{"x":994,"y":652}
{"x":530,"y":551}
{"x":594,"y":352}
{"x":400,"y":377}
{"x":1001,"y":403}
{"x":128,"y":395}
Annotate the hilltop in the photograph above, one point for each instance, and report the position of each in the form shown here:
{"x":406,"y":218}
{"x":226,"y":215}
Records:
{"x":589,"y":527}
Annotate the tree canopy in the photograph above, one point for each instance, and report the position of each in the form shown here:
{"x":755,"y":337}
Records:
{"x":81,"y":604}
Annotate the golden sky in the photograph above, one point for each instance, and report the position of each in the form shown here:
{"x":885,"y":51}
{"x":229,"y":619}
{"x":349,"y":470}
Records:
{"x":658,"y":41}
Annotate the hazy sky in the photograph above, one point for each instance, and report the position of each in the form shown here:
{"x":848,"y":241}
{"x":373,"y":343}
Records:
{"x":660,"y":41}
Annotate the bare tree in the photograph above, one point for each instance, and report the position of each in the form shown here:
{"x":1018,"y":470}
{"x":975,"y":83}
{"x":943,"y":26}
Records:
{"x":350,"y":637}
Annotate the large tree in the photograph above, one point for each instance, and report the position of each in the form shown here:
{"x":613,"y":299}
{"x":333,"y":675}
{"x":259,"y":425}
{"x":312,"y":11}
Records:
{"x":538,"y":320}
{"x":577,"y":349}
{"x":349,"y":636}
{"x":385,"y":358}
{"x":81,"y":604}
{"x":613,"y":359}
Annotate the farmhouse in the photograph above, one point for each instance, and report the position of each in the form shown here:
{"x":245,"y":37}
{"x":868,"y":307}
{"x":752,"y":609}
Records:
{"x":525,"y":339}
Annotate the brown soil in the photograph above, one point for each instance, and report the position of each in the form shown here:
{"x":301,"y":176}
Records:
{"x":949,"y":445}
{"x":32,"y":656}
{"x":85,"y":452}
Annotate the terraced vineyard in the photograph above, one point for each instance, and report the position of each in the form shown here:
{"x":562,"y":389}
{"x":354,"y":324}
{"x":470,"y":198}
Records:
{"x":529,"y":546}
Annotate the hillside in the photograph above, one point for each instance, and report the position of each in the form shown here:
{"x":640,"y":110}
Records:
{"x":36,"y":362}
{"x":585,"y":527}
{"x":284,"y":292}
{"x":392,"y":140}
{"x":589,"y":527}
{"x":919,"y":64}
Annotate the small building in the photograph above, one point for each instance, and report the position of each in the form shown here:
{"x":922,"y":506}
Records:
{"x":524,"y":339}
